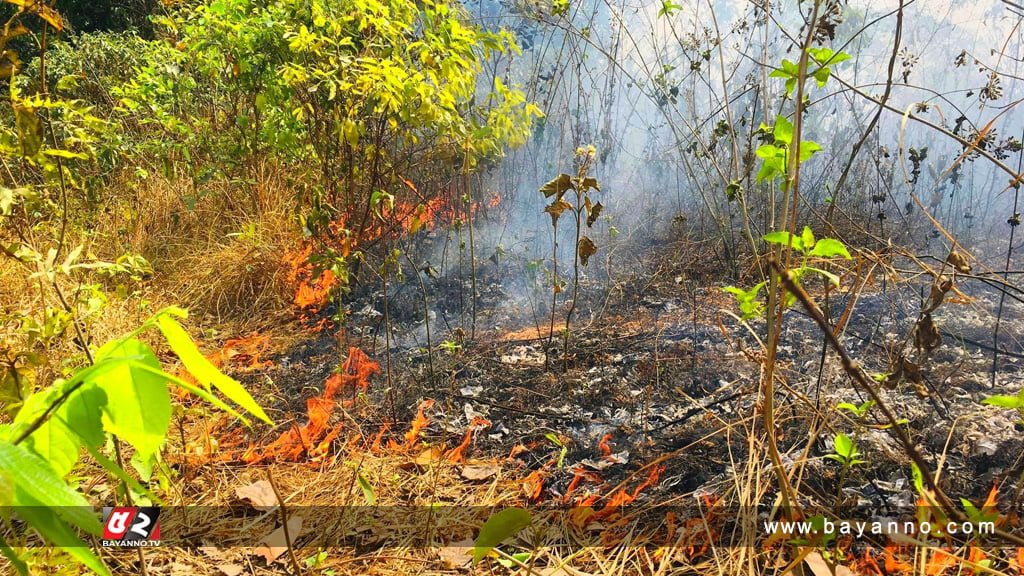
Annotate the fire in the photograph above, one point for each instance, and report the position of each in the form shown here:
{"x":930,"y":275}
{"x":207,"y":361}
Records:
{"x":458,"y":454}
{"x":940,"y":561}
{"x":418,"y":424}
{"x":606,"y":450}
{"x":243,"y":353}
{"x":494,"y":201}
{"x":533,"y":485}
{"x":623,"y":496}
{"x":314,"y":437}
{"x":892,"y":564}
{"x":311,"y":289}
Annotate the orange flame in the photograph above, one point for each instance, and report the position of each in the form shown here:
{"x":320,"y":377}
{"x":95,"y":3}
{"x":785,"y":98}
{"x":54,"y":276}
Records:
{"x":533,"y":485}
{"x":940,"y":561}
{"x":418,"y":424}
{"x":624,"y":497}
{"x":243,"y":353}
{"x":606,"y":450}
{"x":458,"y":453}
{"x":311,"y":290}
{"x":314,"y":437}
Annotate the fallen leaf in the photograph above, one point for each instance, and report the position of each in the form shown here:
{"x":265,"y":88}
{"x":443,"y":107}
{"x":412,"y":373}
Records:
{"x":819,"y":567}
{"x":479,"y":471}
{"x":274,"y":544}
{"x":458,"y":555}
{"x":260,"y":494}
{"x":428,"y":456}
{"x":230,"y":569}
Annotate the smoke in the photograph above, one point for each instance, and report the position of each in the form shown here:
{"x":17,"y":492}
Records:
{"x":672,"y":96}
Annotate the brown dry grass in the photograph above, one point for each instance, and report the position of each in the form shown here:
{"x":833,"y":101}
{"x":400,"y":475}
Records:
{"x":223,"y":257}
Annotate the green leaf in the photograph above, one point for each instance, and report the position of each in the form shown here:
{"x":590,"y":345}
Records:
{"x":830,"y":248}
{"x":807,"y":149}
{"x":19,"y":565}
{"x":822,"y":76}
{"x":668,"y":8}
{"x":918,"y":477}
{"x":65,"y":154}
{"x":138,"y":407}
{"x":790,"y":86}
{"x":498,"y":527}
{"x":832,"y":278}
{"x":847,"y":406}
{"x":844,"y":446}
{"x":52,"y":440}
{"x":1013,"y":402}
{"x":771,"y":169}
{"x":783,"y":130}
{"x":368,"y":493}
{"x":37,"y":482}
{"x":768,"y":151}
{"x":785,"y":239}
{"x":807,"y":237}
{"x":47,"y":521}
{"x":205,"y":372}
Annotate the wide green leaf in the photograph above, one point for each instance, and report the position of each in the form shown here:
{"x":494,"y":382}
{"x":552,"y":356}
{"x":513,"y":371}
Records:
{"x":785,"y":239}
{"x":138,"y":406}
{"x":807,"y":149}
{"x":205,"y":372}
{"x":830,"y":248}
{"x":1013,"y":402}
{"x":498,"y":527}
{"x":36,"y":482}
{"x":47,"y":521}
{"x":783,"y":130}
{"x":844,"y":446}
{"x":52,"y":441}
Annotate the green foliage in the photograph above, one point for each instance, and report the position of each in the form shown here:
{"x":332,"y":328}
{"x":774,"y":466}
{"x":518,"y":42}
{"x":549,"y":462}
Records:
{"x":312,"y":79}
{"x":747,"y":300}
{"x":822,"y":57}
{"x":774,"y":155}
{"x":857,"y":410}
{"x":123,"y":394}
{"x":497,"y":529}
{"x":809,"y":247}
{"x":845,"y":451}
{"x":1006,"y":401}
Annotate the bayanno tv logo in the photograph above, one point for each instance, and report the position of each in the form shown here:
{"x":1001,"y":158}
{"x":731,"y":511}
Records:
{"x":131,"y":526}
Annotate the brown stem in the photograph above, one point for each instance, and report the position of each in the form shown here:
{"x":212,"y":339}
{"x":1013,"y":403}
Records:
{"x":858,"y":375}
{"x":284,"y":524}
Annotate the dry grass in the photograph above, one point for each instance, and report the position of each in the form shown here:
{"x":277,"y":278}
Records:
{"x":219,"y":249}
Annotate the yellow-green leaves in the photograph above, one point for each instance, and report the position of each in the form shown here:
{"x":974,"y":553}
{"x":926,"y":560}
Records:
{"x":806,"y":244}
{"x":823,"y":58}
{"x":205,"y":372}
{"x":137,"y":405}
{"x":749,"y":304}
{"x":774,"y":155}
{"x":497,"y":528}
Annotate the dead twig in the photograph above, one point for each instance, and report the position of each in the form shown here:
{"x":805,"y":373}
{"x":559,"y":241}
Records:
{"x":861,"y":378}
{"x":284,"y":525}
